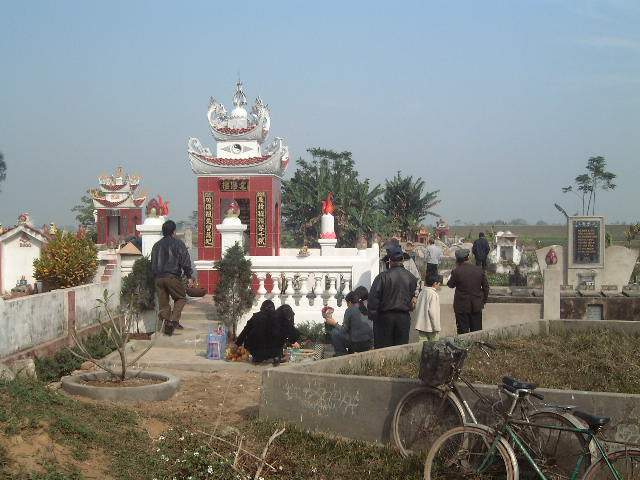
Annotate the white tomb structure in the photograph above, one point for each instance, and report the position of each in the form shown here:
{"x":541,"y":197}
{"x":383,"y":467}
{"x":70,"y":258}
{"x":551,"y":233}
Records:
{"x":19,"y":247}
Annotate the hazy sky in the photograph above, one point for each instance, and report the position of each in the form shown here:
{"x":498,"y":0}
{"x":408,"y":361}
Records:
{"x":496,"y":103}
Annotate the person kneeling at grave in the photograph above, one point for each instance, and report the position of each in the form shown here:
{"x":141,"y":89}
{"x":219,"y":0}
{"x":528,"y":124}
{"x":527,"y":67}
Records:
{"x":261,"y":336}
{"x":356,"y":332}
{"x":289,"y":334}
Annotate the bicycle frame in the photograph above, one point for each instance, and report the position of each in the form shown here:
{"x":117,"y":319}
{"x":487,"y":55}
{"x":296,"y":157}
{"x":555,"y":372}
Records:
{"x":508,"y":432}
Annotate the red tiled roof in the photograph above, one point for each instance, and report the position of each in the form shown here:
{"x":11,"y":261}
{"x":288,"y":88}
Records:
{"x":232,"y":161}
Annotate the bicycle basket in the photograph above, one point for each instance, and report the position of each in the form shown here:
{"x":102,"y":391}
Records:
{"x":438,"y":363}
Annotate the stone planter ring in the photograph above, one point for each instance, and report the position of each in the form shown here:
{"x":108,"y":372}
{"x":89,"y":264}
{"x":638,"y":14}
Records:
{"x":168,"y":386}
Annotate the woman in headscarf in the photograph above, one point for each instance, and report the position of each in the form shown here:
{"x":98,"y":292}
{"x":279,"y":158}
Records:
{"x":356,"y":332}
{"x":262,"y":334}
{"x":289,"y":334}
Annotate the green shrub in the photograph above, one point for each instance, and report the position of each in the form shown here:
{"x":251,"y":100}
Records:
{"x":64,"y":362}
{"x":68,"y":260}
{"x":314,"y":332}
{"x":138,"y":288}
{"x":498,"y":279}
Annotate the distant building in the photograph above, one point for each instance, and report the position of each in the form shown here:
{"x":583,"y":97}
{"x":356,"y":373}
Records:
{"x":19,"y":247}
{"x":118,"y":207}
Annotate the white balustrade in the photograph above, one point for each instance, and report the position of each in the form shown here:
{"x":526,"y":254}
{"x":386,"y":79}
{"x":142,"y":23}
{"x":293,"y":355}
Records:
{"x":332,"y":301}
{"x":261,"y":293}
{"x":275,"y":290}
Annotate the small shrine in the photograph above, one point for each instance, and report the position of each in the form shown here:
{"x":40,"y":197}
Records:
{"x":506,"y":247}
{"x":245,"y":171}
{"x":118,"y":208}
{"x":19,"y":247}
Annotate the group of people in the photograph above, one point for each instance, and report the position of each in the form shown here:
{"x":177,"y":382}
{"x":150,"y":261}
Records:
{"x":379,"y":318}
{"x":268,"y":332}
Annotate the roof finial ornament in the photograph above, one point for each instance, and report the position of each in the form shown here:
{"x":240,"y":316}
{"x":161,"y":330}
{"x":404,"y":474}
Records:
{"x":239,"y":98}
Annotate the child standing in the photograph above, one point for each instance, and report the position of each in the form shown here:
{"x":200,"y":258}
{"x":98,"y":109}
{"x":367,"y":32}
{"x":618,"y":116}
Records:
{"x":427,"y":311}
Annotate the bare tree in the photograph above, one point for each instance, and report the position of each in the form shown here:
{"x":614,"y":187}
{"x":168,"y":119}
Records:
{"x":117,"y":324}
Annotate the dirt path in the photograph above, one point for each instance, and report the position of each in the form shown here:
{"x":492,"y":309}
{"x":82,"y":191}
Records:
{"x":223,"y":398}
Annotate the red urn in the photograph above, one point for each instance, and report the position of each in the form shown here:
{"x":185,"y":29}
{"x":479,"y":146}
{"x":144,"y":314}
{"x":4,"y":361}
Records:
{"x":551,"y":258}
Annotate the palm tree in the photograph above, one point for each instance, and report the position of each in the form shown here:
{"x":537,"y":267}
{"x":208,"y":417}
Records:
{"x":406,"y":204}
{"x":357,"y":204}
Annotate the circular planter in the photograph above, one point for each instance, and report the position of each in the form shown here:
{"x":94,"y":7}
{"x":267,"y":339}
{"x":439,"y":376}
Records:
{"x":76,"y":385}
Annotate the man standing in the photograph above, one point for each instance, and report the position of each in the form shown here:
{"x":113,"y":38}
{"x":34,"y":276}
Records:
{"x":472,"y":291}
{"x":390,"y":301}
{"x":481,"y":251}
{"x":434,"y":254}
{"x":169,"y":260}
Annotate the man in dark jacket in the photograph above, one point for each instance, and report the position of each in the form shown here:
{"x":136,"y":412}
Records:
{"x":472,"y":291}
{"x":169,"y":260}
{"x":481,"y":250}
{"x":390,"y":301}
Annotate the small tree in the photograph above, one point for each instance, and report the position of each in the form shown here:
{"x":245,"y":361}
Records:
{"x":118,"y":324}
{"x":3,"y":169}
{"x":233,"y":296}
{"x":587,"y":184}
{"x":68,"y":260}
{"x":84,"y":215}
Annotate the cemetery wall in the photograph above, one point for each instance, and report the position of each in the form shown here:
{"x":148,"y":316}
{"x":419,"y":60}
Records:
{"x":613,"y":308}
{"x":42,"y":322}
{"x":314,"y":397}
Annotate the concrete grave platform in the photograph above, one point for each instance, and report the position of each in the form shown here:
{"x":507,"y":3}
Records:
{"x":315,"y":397}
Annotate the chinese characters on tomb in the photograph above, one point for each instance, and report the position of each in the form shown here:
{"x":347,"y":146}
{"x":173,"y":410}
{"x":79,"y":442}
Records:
{"x":207,"y":221}
{"x":234,"y":185}
{"x":261,"y":219}
{"x":586,"y":242}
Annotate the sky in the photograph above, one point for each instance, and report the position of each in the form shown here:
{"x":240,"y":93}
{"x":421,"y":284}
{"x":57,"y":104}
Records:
{"x":497,"y":104}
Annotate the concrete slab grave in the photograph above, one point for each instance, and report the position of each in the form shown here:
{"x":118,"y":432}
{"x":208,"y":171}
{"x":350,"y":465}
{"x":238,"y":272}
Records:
{"x":315,"y":397}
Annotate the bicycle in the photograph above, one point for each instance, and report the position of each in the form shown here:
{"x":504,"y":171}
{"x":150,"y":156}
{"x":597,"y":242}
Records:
{"x":426,"y":412}
{"x":480,"y":452}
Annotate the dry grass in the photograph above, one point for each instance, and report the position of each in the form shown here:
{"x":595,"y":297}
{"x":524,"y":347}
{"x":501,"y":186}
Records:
{"x":599,"y":360}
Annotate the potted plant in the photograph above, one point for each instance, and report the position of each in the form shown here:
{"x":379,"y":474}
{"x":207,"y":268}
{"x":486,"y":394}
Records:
{"x":118,"y":324}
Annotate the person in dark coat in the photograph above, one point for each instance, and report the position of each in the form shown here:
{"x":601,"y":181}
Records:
{"x":262,"y":334}
{"x":356,"y":332}
{"x":390,"y":301}
{"x":472,"y":291}
{"x":481,"y":251}
{"x":288,"y":331}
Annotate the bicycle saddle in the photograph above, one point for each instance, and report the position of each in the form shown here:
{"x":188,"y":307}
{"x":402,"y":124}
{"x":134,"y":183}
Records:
{"x":595,"y":423}
{"x":512,"y":384}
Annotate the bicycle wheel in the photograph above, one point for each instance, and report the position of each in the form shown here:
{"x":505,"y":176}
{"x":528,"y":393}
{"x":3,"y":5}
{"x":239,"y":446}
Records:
{"x":421,"y":416}
{"x":470,"y":452}
{"x":556,"y":452}
{"x":626,"y":463}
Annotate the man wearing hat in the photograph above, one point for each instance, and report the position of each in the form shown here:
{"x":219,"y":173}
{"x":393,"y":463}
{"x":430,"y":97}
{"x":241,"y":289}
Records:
{"x":390,"y":301}
{"x":472,"y":291}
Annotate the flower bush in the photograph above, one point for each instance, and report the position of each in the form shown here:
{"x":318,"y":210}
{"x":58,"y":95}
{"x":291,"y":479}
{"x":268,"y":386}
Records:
{"x":66,"y":261}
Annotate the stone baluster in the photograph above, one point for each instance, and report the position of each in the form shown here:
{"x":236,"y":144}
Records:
{"x":332,"y":301}
{"x":275,"y":291}
{"x":261,"y":293}
{"x":318,"y":290}
{"x":304,"y":289}
{"x":289,"y":290}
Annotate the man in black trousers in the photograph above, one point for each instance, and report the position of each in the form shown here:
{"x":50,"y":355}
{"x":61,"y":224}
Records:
{"x":390,"y":301}
{"x":472,"y":291}
{"x":481,"y":250}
